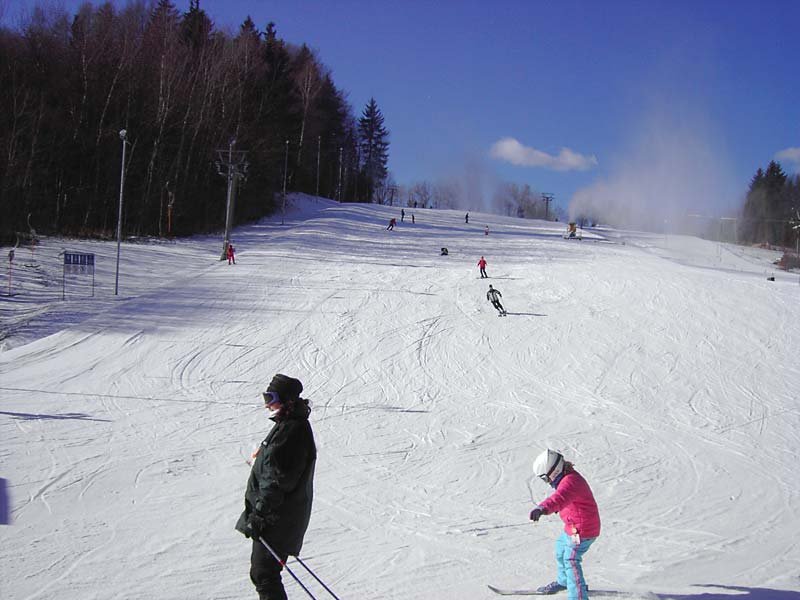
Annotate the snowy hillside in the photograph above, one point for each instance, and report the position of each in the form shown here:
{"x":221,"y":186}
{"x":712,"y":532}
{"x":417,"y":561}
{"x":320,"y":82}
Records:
{"x":665,"y":368}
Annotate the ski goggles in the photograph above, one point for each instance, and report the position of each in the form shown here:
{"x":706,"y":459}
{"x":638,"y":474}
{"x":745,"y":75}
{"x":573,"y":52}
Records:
{"x":546,"y":476}
{"x":271,"y":398}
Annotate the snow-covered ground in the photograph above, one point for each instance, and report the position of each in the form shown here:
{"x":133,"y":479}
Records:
{"x":666,"y":368}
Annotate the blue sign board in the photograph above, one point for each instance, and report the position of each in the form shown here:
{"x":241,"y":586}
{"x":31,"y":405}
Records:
{"x":80,"y":263}
{"x":77,"y":258}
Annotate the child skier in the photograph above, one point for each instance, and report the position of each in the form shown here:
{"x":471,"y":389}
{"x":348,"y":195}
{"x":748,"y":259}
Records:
{"x":494,"y":296}
{"x":575,"y":504}
{"x":231,"y":252}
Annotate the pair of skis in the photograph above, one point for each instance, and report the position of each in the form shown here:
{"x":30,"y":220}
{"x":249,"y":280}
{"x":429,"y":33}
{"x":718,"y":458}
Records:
{"x":511,"y":592}
{"x":537,"y":592}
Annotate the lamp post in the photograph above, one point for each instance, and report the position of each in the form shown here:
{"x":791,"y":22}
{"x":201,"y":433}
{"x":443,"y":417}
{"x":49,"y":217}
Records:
{"x":123,"y":135}
{"x":319,"y":151}
{"x":339,"y":184}
{"x":285,"y":168}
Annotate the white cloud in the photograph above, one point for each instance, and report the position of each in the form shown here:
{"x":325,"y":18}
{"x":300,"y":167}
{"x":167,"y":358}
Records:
{"x":510,"y":150}
{"x":791,"y":155}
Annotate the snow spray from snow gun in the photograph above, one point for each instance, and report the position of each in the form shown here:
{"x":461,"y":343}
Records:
{"x":297,"y":579}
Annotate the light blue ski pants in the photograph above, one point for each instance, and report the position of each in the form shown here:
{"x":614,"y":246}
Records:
{"x":570,"y":572}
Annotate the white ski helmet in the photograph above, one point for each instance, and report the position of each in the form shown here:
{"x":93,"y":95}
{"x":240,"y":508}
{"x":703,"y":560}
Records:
{"x":548,"y":465}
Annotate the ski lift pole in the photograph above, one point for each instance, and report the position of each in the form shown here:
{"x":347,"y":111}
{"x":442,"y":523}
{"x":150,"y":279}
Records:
{"x":283,"y":564}
{"x":322,"y":583}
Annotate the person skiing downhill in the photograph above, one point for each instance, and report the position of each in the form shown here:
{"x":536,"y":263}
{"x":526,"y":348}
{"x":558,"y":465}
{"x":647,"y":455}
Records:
{"x":575,"y":504}
{"x":494,"y":296}
{"x":279,"y":494}
{"x":231,"y":253}
{"x":482,"y":267}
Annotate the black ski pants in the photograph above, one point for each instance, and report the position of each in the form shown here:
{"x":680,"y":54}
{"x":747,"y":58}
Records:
{"x":265,"y":573}
{"x":498,"y":306}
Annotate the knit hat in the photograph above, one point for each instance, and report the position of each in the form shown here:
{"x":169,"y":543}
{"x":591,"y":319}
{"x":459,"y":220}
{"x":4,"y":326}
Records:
{"x":287,"y":388}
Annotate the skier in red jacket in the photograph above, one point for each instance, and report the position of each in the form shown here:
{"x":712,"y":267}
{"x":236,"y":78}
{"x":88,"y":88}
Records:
{"x":482,"y":267}
{"x":575,"y":504}
{"x":231,"y":254}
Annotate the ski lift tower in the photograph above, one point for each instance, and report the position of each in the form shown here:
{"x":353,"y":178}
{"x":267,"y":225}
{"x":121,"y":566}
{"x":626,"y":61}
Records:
{"x":547,"y":199}
{"x":232,"y":165}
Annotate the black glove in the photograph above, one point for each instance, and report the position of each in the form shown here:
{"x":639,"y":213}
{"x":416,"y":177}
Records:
{"x":257,"y":523}
{"x":536,"y":513}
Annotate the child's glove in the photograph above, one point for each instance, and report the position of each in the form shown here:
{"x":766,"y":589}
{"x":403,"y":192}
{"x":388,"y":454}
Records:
{"x":536,"y":513}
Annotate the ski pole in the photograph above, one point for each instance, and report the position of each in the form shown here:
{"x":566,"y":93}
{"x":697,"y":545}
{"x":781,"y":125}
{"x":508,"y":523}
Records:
{"x":283,"y":564}
{"x":322,"y":583}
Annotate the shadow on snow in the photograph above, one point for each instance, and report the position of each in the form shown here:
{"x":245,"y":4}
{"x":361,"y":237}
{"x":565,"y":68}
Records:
{"x":36,"y":417}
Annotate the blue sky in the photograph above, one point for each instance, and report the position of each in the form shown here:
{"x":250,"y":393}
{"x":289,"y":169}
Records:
{"x":640,"y":94}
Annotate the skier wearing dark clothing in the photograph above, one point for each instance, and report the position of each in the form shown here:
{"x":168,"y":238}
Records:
{"x":277,"y":501}
{"x":494,"y":296}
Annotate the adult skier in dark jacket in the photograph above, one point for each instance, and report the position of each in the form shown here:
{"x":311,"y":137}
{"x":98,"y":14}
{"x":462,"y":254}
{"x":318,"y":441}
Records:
{"x":277,"y":502}
{"x":494,"y":296}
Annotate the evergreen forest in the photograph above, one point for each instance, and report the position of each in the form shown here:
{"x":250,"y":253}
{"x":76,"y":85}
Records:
{"x":191,"y":109}
{"x":771,"y":212}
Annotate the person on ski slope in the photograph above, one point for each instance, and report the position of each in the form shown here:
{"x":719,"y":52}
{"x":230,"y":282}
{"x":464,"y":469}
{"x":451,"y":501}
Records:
{"x":280,"y":489}
{"x":230,"y":252}
{"x":402,"y":214}
{"x":494,"y":296}
{"x":392,"y":223}
{"x":482,"y":267}
{"x":486,"y":231}
{"x":466,"y":218}
{"x":575,"y":504}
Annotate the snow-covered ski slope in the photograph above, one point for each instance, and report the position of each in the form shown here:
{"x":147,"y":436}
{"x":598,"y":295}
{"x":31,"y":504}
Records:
{"x":666,"y":368}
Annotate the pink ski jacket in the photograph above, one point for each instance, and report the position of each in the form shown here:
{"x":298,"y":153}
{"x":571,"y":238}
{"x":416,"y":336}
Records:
{"x":575,"y":504}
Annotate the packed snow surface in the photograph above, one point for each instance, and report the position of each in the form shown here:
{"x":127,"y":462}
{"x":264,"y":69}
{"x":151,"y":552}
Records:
{"x":665,"y":367}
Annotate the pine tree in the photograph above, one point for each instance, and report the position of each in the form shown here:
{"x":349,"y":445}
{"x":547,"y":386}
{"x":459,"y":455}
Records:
{"x":196,"y":26}
{"x":766,"y":207}
{"x":374,"y":145}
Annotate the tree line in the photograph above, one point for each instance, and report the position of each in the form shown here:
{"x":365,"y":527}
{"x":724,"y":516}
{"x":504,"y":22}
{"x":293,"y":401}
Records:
{"x":188,"y":96}
{"x":770,"y":213}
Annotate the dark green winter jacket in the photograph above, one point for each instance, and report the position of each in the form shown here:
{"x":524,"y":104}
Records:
{"x":281,"y":483}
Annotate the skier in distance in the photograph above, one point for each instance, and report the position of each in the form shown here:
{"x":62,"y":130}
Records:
{"x":494,"y":296}
{"x":482,"y":267}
